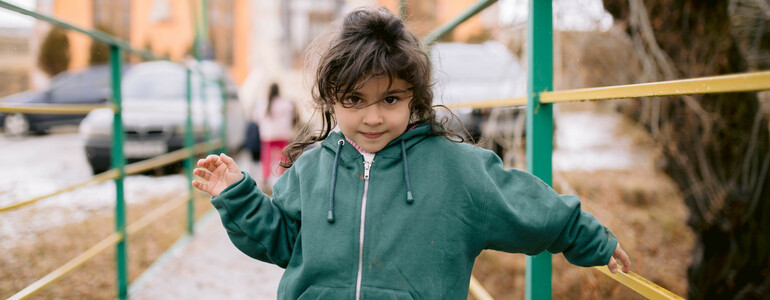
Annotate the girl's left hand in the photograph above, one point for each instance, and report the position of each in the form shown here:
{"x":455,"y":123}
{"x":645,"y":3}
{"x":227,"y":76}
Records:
{"x":219,"y":172}
{"x":620,"y":255}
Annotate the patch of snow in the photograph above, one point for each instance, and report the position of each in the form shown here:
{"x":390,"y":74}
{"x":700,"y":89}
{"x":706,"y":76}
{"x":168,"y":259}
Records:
{"x":587,"y":141}
{"x":40,"y":165}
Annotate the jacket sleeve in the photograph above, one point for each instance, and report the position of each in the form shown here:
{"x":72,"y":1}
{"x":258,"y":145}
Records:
{"x":523,"y":214}
{"x":257,"y":225}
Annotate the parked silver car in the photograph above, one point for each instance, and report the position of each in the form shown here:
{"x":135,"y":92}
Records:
{"x":155,"y":112}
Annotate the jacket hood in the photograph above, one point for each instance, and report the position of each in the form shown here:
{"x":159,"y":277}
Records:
{"x":393,"y":149}
{"x":397,"y":148}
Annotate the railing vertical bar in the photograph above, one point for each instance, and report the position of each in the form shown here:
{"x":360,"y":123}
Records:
{"x":402,"y":9}
{"x":539,"y":127}
{"x":118,"y":162}
{"x":189,"y":162}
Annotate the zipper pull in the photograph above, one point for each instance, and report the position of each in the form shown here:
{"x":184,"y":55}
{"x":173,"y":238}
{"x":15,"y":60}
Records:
{"x":367,"y":166}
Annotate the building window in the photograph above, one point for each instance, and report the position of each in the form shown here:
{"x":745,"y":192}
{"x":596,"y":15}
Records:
{"x":113,"y":17}
{"x":221,"y":26}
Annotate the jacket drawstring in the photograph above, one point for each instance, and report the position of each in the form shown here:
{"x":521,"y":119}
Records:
{"x":330,"y":216}
{"x":409,"y":198}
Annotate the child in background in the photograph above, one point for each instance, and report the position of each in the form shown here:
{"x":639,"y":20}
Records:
{"x":275,"y":118}
{"x":391,"y":206}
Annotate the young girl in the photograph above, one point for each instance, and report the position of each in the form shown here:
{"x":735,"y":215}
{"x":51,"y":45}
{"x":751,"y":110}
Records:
{"x":389,"y":207}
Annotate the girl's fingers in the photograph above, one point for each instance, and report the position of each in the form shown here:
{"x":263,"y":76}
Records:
{"x":612,"y":265}
{"x":212,"y":163}
{"x":208,"y":160}
{"x":229,"y":162}
{"x":200,"y":185}
{"x":624,"y":259}
{"x":202,"y":174}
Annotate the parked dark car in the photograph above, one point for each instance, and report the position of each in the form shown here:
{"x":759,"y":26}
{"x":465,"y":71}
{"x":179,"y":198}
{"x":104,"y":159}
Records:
{"x":467,"y":73}
{"x":155,"y":111}
{"x":89,"y":87}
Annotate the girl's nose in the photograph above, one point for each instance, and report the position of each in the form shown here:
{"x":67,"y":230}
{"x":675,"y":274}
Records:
{"x":373,"y":115}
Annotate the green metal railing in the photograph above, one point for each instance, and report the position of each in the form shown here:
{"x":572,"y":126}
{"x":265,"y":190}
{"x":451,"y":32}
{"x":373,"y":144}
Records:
{"x":119,"y":169}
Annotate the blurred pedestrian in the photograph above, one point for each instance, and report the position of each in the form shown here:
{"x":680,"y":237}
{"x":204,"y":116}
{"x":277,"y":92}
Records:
{"x":276,"y":118}
{"x":253,"y":142}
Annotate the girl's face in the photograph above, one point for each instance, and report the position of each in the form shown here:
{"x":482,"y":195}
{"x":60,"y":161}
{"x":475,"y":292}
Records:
{"x":376,"y":113}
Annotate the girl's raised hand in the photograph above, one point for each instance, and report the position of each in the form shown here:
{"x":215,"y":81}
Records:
{"x":619,"y":255}
{"x":219,"y":172}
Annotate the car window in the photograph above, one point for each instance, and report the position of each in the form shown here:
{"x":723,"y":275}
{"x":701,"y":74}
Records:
{"x":82,"y":86}
{"x":154,"y":85}
{"x":69,"y":90}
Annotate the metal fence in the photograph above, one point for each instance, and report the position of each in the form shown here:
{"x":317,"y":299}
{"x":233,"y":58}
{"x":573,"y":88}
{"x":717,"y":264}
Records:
{"x":119,"y":170}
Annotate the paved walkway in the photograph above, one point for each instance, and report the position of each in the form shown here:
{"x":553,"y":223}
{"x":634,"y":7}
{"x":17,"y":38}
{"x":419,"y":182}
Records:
{"x":207,"y":266}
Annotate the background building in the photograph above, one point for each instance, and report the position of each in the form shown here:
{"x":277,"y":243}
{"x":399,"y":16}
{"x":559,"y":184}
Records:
{"x":259,"y":41}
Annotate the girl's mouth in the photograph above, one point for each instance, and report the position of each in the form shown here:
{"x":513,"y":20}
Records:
{"x":371,"y":135}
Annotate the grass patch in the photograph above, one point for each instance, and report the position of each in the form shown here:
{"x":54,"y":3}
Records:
{"x":43,"y":253}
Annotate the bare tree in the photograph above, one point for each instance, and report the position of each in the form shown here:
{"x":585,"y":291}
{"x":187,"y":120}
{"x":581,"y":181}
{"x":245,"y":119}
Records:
{"x":715,"y":147}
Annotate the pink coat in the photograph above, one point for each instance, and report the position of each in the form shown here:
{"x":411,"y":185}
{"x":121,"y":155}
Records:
{"x":279,"y":125}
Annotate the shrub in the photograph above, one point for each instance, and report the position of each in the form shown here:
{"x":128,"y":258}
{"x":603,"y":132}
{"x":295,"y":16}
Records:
{"x":54,"y":55}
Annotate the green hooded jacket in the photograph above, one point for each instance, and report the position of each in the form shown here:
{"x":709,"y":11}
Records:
{"x":400,"y":247}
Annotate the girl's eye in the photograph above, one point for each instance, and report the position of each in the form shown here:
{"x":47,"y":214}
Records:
{"x":390,"y":100}
{"x":351,"y":101}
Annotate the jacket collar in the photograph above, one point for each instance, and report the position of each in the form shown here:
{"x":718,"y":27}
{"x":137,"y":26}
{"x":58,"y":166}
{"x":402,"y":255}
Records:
{"x":392,"y":150}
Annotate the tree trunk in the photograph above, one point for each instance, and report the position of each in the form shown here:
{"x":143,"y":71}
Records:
{"x":715,"y":147}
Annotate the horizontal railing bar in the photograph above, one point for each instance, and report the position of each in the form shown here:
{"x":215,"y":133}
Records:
{"x":130,"y":169}
{"x":101,"y":177}
{"x":640,"y":284}
{"x":98,"y":248}
{"x":160,"y":160}
{"x":478,"y":291}
{"x":109,"y":241}
{"x":51,"y":108}
{"x":452,"y":24}
{"x":743,"y":82}
{"x":95,"y":34}
{"x":520,"y":101}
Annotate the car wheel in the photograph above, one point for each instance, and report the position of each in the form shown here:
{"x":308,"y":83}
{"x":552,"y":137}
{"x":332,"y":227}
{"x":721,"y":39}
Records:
{"x":97,"y":169}
{"x":16,"y":125}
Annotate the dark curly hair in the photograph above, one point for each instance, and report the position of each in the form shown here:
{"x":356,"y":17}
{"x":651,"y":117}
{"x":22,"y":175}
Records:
{"x":369,"y":42}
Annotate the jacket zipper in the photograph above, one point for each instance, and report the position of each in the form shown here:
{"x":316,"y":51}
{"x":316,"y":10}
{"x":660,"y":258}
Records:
{"x":367,"y":167}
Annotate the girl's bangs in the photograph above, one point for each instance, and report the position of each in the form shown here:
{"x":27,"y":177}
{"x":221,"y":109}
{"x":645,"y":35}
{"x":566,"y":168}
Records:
{"x":349,"y":77}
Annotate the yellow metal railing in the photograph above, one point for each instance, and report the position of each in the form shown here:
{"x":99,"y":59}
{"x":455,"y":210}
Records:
{"x":102,"y":245}
{"x":51,"y":108}
{"x":131,"y":169}
{"x":745,"y":82}
{"x":639,"y":284}
{"x":73,"y":264}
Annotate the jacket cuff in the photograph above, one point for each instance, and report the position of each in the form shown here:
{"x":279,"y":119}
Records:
{"x":233,"y":190}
